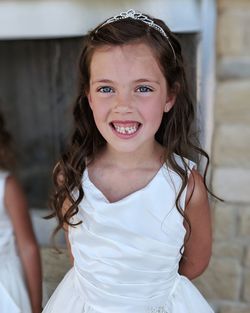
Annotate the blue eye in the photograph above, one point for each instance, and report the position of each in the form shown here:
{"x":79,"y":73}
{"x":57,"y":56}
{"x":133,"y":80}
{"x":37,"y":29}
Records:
{"x":105,"y":89}
{"x":144,"y":89}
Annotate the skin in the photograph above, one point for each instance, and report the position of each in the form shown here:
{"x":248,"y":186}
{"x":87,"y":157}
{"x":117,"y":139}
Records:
{"x":198,"y":248}
{"x":124,"y":90}
{"x":16,"y":205}
{"x":66,"y":206}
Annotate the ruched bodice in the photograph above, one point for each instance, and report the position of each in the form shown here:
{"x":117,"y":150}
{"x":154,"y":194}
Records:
{"x":126,"y":250}
{"x":127,"y":253}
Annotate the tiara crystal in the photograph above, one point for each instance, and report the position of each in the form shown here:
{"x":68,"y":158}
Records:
{"x":140,"y":17}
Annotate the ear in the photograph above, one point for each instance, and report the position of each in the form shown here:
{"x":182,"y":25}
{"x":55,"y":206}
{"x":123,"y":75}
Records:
{"x":170,"y":102}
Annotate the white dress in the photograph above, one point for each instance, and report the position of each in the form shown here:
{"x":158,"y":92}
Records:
{"x":13,"y":293}
{"x":126,"y":254}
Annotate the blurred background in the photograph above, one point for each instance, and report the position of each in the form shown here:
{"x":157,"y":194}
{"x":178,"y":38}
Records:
{"x":40,"y":42}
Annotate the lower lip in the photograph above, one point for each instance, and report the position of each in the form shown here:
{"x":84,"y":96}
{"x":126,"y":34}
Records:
{"x":125,"y":136}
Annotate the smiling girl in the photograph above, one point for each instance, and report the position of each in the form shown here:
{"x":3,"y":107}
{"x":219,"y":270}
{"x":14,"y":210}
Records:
{"x":133,"y":205}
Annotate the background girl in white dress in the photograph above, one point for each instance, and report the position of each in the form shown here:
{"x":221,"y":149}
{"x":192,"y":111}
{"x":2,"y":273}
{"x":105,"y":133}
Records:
{"x":135,"y":208}
{"x":20,"y":270}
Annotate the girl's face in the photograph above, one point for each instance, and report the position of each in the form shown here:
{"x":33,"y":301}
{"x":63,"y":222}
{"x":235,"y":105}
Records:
{"x":128,"y":95}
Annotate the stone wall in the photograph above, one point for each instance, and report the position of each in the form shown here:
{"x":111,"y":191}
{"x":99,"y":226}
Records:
{"x":227,"y":281}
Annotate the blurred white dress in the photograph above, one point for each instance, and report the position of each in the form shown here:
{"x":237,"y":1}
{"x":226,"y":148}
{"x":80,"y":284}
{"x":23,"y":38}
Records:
{"x":127,"y":253}
{"x":13,"y":293}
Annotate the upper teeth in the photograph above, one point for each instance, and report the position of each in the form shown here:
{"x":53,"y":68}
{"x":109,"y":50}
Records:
{"x":125,"y":130}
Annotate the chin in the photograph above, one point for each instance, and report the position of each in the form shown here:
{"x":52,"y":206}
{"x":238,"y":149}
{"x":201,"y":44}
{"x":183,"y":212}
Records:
{"x":127,"y":147}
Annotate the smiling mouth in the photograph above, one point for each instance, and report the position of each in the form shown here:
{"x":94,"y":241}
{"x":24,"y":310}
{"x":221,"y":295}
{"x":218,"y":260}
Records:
{"x":126,"y":128}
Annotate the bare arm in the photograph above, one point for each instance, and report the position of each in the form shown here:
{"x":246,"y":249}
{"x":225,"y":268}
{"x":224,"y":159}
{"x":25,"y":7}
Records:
{"x":28,"y":249}
{"x":71,"y":258}
{"x":198,"y":248}
{"x":66,"y":206}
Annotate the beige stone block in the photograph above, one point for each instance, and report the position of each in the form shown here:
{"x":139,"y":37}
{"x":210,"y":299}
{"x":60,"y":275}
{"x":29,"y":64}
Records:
{"x":55,"y":266}
{"x":247,"y":257}
{"x":232,"y":184}
{"x":233,"y":67}
{"x":224,"y":222}
{"x":233,"y":37}
{"x":228,"y":249}
{"x":222,"y":280}
{"x":244,"y":222}
{"x":233,"y":5}
{"x":234,"y":308}
{"x":246,"y":285}
{"x":229,"y":39}
{"x":232,"y":104}
{"x":230,"y":145}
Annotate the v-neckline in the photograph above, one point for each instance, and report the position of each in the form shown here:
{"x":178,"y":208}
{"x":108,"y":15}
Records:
{"x":151,"y":181}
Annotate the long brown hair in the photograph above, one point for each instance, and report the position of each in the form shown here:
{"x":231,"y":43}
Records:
{"x":7,"y":158}
{"x":174,"y":132}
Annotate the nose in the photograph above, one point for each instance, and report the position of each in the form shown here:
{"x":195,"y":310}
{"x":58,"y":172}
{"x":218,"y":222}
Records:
{"x":123,"y":104}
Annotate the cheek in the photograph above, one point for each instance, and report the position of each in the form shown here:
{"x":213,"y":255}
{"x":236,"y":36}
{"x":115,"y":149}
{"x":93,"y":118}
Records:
{"x":153,"y":112}
{"x":100,"y":112}
{"x":99,"y":106}
{"x":156,"y":119}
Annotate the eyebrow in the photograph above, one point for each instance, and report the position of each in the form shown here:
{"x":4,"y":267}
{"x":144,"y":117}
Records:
{"x":101,"y":81}
{"x":141,"y":80}
{"x":147,"y":80}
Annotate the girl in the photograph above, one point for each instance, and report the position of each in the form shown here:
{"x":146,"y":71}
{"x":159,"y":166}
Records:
{"x":135,"y":207}
{"x":19,"y":252}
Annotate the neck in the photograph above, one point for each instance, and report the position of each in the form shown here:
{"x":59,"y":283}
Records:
{"x":152,"y":156}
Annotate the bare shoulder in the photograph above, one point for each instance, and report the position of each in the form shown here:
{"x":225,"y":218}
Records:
{"x":13,"y":192}
{"x":196,"y":190}
{"x":197,"y":205}
{"x":15,"y":199}
{"x":11,"y":182}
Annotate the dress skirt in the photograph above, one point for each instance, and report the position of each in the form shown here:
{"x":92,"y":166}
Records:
{"x":13,"y":292}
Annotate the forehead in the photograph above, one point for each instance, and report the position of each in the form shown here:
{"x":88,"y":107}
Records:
{"x":129,"y":59}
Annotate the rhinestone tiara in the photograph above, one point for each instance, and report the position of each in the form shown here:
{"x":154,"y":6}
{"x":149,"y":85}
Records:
{"x":140,"y":17}
{"x":135,"y":16}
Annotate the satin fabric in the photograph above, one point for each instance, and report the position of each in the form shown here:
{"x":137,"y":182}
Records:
{"x":126,"y":254}
{"x":13,"y":293}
